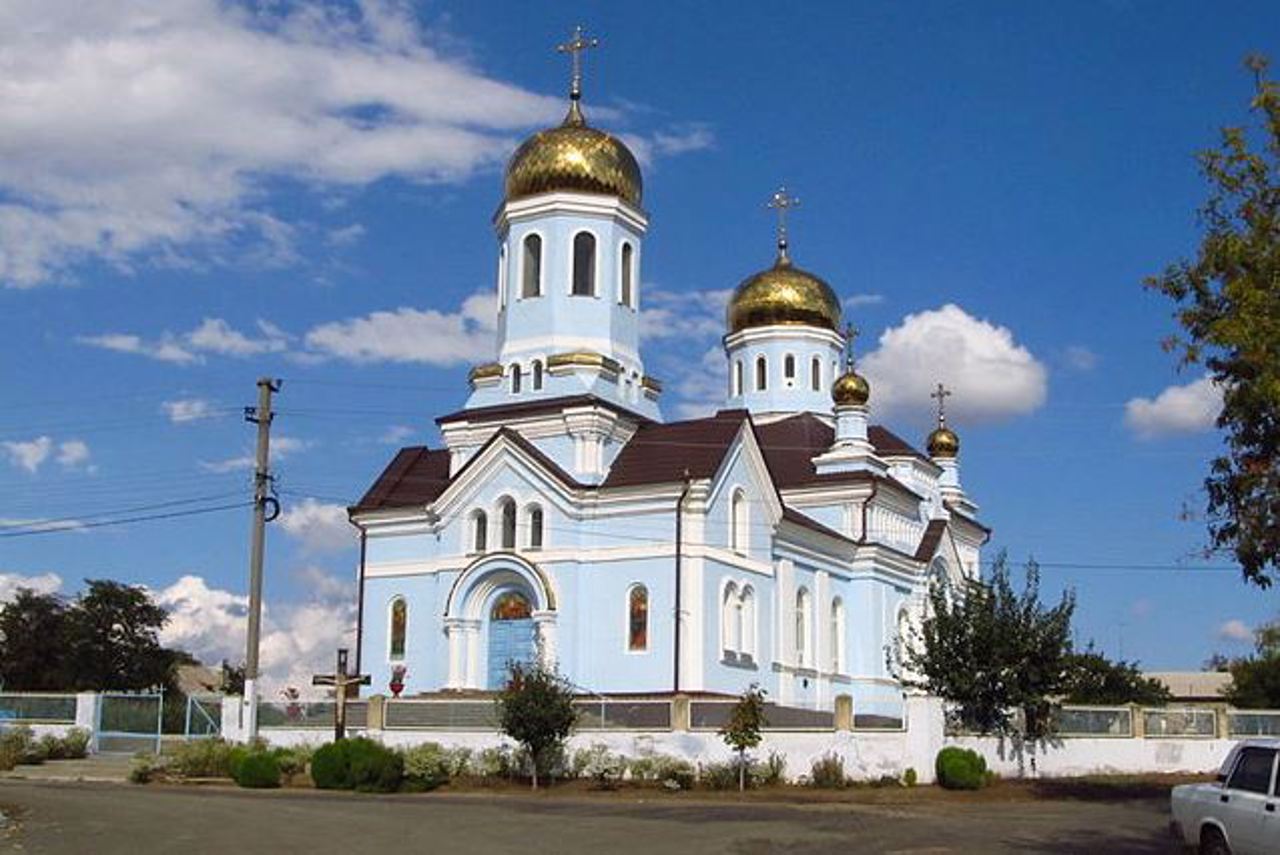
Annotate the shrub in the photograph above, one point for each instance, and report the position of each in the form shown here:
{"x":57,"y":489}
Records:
{"x":145,"y":768}
{"x":458,"y":762}
{"x":720,"y":776}
{"x":331,"y":767}
{"x":663,"y":769}
{"x":20,"y":744}
{"x":8,"y":758}
{"x":600,"y":765}
{"x":258,"y":770}
{"x":909,"y":777}
{"x":75,"y":743}
{"x":492,"y":763}
{"x":827,"y":773}
{"x":375,"y":768}
{"x":202,"y":758}
{"x":770,"y":773}
{"x":293,"y":761}
{"x":960,"y":769}
{"x":427,"y":766}
{"x":51,"y":746}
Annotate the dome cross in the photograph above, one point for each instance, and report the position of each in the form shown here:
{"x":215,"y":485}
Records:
{"x":941,"y":394}
{"x":574,"y":47}
{"x":850,"y":334}
{"x":781,"y":202}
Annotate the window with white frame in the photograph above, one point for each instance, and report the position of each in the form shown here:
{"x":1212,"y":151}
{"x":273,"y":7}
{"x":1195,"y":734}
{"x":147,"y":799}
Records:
{"x":502,"y":276}
{"x":815,"y":374}
{"x":535,"y":527}
{"x":802,"y":627}
{"x":626,"y":295}
{"x":507,"y":516}
{"x":737,"y":378}
{"x":748,"y":634}
{"x":531,"y":267}
{"x":516,"y":378}
{"x":789,"y":369}
{"x":739,"y":522}
{"x":584,"y":264}
{"x":536,"y":372}
{"x":638,"y":619}
{"x":837,"y":636}
{"x":479,"y":531}
{"x":762,"y":374}
{"x":730,"y":627}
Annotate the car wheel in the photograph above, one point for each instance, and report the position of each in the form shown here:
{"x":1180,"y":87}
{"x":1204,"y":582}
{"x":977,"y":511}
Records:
{"x":1213,"y":843}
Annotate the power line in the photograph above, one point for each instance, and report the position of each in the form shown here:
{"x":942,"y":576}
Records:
{"x":43,"y":523}
{"x":125,"y":521}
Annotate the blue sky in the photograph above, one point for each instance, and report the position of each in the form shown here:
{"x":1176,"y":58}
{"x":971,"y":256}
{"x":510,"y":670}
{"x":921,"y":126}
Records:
{"x":193,"y":198}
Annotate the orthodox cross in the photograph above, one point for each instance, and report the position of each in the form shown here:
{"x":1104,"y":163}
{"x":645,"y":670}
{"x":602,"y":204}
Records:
{"x":341,"y":681}
{"x":574,"y":47}
{"x":941,"y":394}
{"x":850,"y":333}
{"x":782,"y":203}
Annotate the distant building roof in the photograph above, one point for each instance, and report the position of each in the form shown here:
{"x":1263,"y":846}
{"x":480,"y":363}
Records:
{"x":1193,"y":685}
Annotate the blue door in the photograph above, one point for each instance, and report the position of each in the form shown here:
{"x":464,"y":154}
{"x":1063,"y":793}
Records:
{"x":511,"y":636}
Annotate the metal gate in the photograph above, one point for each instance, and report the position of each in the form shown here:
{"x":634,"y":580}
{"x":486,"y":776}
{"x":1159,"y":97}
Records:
{"x":204,"y":716}
{"x":129,"y":722}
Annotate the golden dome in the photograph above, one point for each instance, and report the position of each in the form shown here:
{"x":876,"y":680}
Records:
{"x":850,"y":388}
{"x":574,"y":157}
{"x":783,"y":294}
{"x":943,"y":442}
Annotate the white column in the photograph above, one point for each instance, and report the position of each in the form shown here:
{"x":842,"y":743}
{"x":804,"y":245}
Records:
{"x":544,"y":624}
{"x":454,"y":633}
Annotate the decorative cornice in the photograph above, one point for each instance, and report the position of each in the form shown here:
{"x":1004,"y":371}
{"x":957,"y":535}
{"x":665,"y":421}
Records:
{"x":583,"y":359}
{"x":485,"y":372}
{"x":652,"y":384}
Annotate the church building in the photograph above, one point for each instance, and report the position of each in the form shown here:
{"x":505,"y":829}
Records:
{"x":785,"y":540}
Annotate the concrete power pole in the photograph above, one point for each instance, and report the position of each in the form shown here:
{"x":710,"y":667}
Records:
{"x":261,"y":416}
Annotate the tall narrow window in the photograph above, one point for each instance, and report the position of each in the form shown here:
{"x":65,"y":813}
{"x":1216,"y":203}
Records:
{"x":815,"y":374}
{"x":399,"y":628}
{"x":737,"y":378}
{"x":502,"y":277}
{"x":729,"y":625}
{"x":584,"y":264}
{"x":479,"y":531}
{"x":762,"y":374}
{"x":638,"y":618}
{"x":748,"y":621}
{"x":789,"y":369}
{"x":507,"y":508}
{"x":837,"y":635}
{"x":627,"y":256}
{"x":738,"y":523}
{"x":535,"y":527}
{"x":531,"y":286}
{"x":517,"y":378}
{"x":802,"y":626}
{"x":537,"y":375}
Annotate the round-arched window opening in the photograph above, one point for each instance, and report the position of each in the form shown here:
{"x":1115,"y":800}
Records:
{"x":511,"y":605}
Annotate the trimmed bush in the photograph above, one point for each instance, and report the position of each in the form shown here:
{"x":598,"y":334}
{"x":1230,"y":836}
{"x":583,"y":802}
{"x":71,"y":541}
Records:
{"x":427,"y":766}
{"x":331,"y":767}
{"x":258,"y":770}
{"x":827,"y":773}
{"x":19,"y":743}
{"x":75,"y":743}
{"x":909,"y":777}
{"x":960,"y":769}
{"x":202,"y":758}
{"x":375,"y":768}
{"x":293,"y":761}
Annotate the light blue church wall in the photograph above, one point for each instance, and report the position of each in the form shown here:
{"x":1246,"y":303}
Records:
{"x":425,"y":654}
{"x":783,"y":395}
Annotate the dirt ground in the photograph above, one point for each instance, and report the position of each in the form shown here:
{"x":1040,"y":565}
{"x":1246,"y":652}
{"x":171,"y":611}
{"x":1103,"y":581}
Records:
{"x":1107,"y":816}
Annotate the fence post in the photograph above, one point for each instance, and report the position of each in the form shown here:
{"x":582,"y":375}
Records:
{"x":376,"y":712}
{"x":844,"y":713}
{"x":87,"y":715}
{"x":232,"y":725}
{"x":1221,"y":721}
{"x":681,"y":713}
{"x":1139,"y":721}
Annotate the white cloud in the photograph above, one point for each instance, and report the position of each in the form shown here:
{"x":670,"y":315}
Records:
{"x":211,"y":336}
{"x":281,"y":447}
{"x":42,"y":583}
{"x":412,"y":335}
{"x":1080,"y":358}
{"x":397,"y":434}
{"x":184,"y":410}
{"x":991,"y":376}
{"x":135,"y":129}
{"x":347,"y":235}
{"x":43,"y":524}
{"x":320,"y":526}
{"x":1178,"y":409}
{"x":853,"y":301}
{"x":1235,"y":630}
{"x":683,"y":314}
{"x":701,"y":390}
{"x":73,"y":454}
{"x":674,"y":140}
{"x":31,"y":454}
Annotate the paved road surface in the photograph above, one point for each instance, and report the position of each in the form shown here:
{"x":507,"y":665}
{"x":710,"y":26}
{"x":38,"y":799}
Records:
{"x":113,"y":818}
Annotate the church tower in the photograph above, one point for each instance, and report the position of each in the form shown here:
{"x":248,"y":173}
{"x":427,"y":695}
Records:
{"x":570,"y":230}
{"x":783,"y":341}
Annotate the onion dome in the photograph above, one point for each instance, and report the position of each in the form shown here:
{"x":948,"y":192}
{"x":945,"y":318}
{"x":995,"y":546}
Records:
{"x":943,"y":442}
{"x":576,"y":158}
{"x":850,"y":388}
{"x":783,"y":294}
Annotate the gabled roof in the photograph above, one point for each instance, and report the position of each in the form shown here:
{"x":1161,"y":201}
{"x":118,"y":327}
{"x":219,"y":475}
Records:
{"x":790,"y":445}
{"x":932,"y":538}
{"x":415,"y":476}
{"x":502,"y":412}
{"x":661,"y":453}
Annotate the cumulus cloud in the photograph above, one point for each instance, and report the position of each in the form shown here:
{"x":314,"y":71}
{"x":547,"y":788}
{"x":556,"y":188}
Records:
{"x":281,"y":447}
{"x":320,"y":526}
{"x":412,"y":335}
{"x":184,"y":410}
{"x":41,"y":583}
{"x":29,"y":454}
{"x":1235,"y":630}
{"x":1178,"y":409}
{"x":701,"y":391}
{"x":213,"y":336}
{"x":396,"y":434}
{"x":853,"y":301}
{"x":73,"y":454}
{"x":991,"y":375}
{"x":683,"y":314}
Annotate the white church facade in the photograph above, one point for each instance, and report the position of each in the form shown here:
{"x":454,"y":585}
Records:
{"x":784,"y":540}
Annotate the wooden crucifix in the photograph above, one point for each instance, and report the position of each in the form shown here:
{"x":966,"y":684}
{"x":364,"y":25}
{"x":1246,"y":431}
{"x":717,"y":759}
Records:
{"x":341,"y":681}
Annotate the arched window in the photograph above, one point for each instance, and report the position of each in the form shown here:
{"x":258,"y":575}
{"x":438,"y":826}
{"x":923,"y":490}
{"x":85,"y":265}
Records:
{"x":479,"y":531}
{"x":638,"y":618}
{"x":537,"y":375}
{"x":762,"y":374}
{"x":502,"y":277}
{"x":516,"y":378}
{"x":737,"y":378}
{"x":531,"y":285}
{"x":738,"y":522}
{"x":837,"y":635}
{"x":815,"y":374}
{"x":584,"y":264}
{"x":789,"y":369}
{"x":399,"y":628}
{"x":507,"y":510}
{"x":748,"y":621}
{"x":535,"y":527}
{"x":628,"y":256}
{"x":802,"y":626}
{"x":729,"y":625}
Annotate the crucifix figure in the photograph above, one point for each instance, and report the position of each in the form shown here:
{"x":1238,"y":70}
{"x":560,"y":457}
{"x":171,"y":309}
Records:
{"x":574,"y":47}
{"x":341,"y":681}
{"x":782,"y":203}
{"x":941,"y":394}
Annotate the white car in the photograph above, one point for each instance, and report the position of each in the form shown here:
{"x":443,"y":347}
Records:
{"x":1240,"y":812}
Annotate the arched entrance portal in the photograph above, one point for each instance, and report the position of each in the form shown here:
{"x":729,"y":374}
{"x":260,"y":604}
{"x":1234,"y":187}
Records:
{"x":512,"y":636}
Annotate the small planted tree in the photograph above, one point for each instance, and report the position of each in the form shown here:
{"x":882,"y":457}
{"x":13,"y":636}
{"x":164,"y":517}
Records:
{"x":742,"y":731}
{"x":536,"y":710}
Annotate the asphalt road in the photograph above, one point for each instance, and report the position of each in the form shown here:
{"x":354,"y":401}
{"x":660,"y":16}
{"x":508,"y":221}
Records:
{"x":114,"y":818}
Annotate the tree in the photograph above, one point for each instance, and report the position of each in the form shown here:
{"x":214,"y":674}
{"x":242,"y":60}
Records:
{"x":742,"y":730}
{"x":1092,"y":678}
{"x":1255,"y":680}
{"x":998,"y":656}
{"x":1228,"y":305}
{"x":113,"y":640}
{"x":535,"y":708}
{"x":33,"y":632}
{"x":232,"y":678}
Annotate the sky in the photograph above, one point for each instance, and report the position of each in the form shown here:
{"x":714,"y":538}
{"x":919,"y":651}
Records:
{"x":196,"y":194}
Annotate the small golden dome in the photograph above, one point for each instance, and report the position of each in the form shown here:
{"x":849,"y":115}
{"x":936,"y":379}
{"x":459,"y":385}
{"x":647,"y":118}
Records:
{"x":783,"y":294}
{"x":576,"y":158}
{"x":850,"y":388}
{"x":943,"y":442}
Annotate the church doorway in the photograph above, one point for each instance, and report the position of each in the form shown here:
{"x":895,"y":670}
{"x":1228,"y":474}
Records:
{"x":511,"y":636}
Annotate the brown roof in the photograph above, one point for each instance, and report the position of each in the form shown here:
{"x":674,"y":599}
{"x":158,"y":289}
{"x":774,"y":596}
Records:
{"x":790,"y":444}
{"x":932,"y":537}
{"x":810,"y":523}
{"x":661,"y":453}
{"x":415,"y":476}
{"x":500,"y":412}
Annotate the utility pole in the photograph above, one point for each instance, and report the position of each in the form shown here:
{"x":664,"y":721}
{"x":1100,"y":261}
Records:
{"x":261,"y":416}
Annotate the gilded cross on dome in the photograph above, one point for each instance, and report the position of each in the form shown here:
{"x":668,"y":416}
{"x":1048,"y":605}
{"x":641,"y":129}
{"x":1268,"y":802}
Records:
{"x":574,"y":47}
{"x":941,"y":394}
{"x":781,"y":202}
{"x":850,"y":334}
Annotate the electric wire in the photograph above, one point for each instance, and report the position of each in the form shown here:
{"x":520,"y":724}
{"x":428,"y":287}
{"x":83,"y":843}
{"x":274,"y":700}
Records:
{"x":126,"y":521}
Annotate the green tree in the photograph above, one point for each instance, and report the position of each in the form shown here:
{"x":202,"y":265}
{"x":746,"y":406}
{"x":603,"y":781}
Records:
{"x":535,"y":708}
{"x":1228,"y":305}
{"x":33,"y":635}
{"x":998,"y":656}
{"x":1255,"y":680}
{"x":1092,"y":678}
{"x":742,"y":731}
{"x":113,"y":640}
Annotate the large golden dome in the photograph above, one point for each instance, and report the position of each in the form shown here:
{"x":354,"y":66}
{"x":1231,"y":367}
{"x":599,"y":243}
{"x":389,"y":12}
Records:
{"x":783,"y":294}
{"x":576,"y":158}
